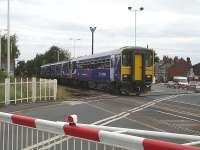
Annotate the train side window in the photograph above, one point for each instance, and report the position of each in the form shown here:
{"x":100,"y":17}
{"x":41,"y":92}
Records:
{"x":107,"y":64}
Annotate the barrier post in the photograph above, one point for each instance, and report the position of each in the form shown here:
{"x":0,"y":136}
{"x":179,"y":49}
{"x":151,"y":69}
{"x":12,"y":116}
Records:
{"x":27,"y":89}
{"x":21,"y":85}
{"x":33,"y":89}
{"x":49,"y":89}
{"x":45,"y":89}
{"x":15,"y":91}
{"x":40,"y":90}
{"x":55,"y":89}
{"x":7,"y":91}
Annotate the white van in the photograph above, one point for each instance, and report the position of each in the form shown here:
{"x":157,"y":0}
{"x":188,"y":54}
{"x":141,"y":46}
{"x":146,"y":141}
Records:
{"x":181,"y":81}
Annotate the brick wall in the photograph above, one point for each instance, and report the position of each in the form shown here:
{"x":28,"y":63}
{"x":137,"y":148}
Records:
{"x":180,"y":68}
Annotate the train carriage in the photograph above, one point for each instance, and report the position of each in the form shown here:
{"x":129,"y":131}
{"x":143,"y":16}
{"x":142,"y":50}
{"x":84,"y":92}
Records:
{"x":128,"y":69}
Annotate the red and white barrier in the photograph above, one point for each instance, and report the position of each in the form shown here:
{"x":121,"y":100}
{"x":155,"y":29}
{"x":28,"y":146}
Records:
{"x":93,"y":134}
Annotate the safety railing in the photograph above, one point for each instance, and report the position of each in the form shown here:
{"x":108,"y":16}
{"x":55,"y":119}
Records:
{"x":27,"y":90}
{"x":22,"y":132}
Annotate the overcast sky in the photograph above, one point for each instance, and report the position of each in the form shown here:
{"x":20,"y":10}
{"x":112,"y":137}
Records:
{"x":170,"y":27}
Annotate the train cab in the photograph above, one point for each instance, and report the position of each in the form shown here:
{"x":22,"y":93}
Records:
{"x":136,"y":68}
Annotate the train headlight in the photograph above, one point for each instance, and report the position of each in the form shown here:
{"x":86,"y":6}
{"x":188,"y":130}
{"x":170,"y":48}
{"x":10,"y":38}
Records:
{"x":126,"y":77}
{"x":148,"y":76}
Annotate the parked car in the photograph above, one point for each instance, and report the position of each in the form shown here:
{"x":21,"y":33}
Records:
{"x":192,"y":85}
{"x":181,"y":81}
{"x":197,"y":89}
{"x":170,"y":84}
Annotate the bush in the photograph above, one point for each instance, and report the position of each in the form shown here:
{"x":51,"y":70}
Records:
{"x":3,"y":75}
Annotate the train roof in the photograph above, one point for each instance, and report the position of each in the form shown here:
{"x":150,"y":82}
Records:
{"x":97,"y":55}
{"x":105,"y":54}
{"x":57,"y":63}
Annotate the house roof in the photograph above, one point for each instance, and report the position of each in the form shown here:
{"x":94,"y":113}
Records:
{"x":196,"y":69}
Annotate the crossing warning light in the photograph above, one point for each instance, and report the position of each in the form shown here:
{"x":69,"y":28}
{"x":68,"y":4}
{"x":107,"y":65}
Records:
{"x":72,"y":120}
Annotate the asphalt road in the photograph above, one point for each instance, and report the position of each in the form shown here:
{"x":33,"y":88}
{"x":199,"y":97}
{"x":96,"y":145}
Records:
{"x":163,"y":109}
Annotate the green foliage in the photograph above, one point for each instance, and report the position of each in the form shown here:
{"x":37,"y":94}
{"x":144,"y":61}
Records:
{"x":3,"y":75}
{"x":32,"y":67}
{"x":21,"y":68}
{"x":156,"y":58}
{"x":14,"y":47}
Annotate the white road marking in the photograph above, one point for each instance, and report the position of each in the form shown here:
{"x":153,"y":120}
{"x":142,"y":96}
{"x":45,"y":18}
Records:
{"x":115,"y":119}
{"x":136,"y":109}
{"x":176,"y":115}
{"x":157,"y":91}
{"x":109,"y":118}
{"x":73,"y":102}
{"x":182,"y":112}
{"x":121,"y":115}
{"x":185,"y":103}
{"x":147,"y":105}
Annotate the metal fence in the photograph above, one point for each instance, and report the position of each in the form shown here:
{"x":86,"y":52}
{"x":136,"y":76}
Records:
{"x":27,"y":90}
{"x":21,"y":132}
{"x":16,"y":137}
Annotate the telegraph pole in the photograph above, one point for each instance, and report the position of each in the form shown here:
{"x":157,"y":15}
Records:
{"x":8,"y":40}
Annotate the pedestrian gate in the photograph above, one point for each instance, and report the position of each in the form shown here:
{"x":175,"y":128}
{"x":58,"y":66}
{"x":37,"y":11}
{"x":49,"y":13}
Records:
{"x":22,"y":132}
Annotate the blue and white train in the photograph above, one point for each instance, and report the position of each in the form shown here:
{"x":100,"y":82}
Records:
{"x":127,"y":69}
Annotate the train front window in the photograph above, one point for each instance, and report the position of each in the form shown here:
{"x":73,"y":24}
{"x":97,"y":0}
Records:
{"x":126,"y":59}
{"x":149,"y":60}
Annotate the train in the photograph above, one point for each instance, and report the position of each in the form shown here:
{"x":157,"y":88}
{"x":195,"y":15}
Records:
{"x":124,"y":70}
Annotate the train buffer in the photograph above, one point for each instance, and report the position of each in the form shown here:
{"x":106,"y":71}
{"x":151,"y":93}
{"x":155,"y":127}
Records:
{"x":22,"y":132}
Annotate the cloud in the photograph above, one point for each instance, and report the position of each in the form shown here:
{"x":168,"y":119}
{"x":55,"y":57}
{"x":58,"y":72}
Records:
{"x":170,"y":25}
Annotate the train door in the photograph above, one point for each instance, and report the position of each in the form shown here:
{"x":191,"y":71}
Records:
{"x":112,"y":69}
{"x":138,"y":67}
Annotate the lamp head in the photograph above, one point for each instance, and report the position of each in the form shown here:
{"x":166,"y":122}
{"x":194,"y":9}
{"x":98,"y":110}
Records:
{"x":92,"y":29}
{"x":129,"y":8}
{"x":141,"y":8}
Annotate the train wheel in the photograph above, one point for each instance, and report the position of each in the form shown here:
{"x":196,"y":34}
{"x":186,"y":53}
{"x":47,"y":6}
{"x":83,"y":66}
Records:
{"x":116,"y":89}
{"x":92,"y":85}
{"x":138,"y":91}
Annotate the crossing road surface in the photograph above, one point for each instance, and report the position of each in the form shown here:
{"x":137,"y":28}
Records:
{"x":161,"y":110}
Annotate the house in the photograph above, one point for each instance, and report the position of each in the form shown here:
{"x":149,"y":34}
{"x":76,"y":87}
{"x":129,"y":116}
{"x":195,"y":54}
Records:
{"x":196,"y":69}
{"x":160,"y":72}
{"x":167,"y":68}
{"x":161,"y":69}
{"x":180,"y":68}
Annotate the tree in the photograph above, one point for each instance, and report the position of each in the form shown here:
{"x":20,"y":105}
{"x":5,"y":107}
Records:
{"x":156,"y":58}
{"x":51,"y":56}
{"x":3,"y":75}
{"x":32,"y":67}
{"x":14,"y":47}
{"x":21,"y":68}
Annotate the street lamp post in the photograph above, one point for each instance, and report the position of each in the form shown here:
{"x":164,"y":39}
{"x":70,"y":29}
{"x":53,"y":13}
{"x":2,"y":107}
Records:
{"x":74,"y":44}
{"x":58,"y":54}
{"x":0,"y":49}
{"x":92,"y":29}
{"x":8,"y":40}
{"x":135,"y":10}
